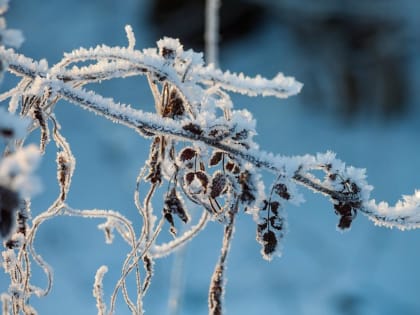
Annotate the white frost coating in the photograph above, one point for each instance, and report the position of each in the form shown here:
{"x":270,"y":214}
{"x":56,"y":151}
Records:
{"x":280,"y":86}
{"x":98,"y":290}
{"x":159,"y":251}
{"x":130,"y":37}
{"x":404,"y":215}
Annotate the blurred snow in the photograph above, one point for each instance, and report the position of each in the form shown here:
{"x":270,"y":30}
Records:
{"x":366,"y":271}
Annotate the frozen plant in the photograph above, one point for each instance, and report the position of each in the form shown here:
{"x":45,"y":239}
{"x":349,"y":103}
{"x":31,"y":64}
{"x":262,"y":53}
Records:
{"x":202,"y":153}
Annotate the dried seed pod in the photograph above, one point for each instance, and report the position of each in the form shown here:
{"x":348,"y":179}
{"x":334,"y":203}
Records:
{"x":155,"y":173}
{"x":42,"y":120}
{"x":218,"y":185}
{"x":215,"y":158}
{"x":63,"y":173}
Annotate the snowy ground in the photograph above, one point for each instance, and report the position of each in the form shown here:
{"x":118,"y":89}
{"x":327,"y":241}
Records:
{"x":366,"y":271}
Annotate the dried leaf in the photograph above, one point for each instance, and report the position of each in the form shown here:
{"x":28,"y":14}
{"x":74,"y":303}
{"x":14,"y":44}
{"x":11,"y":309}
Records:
{"x":189,"y":177}
{"x":216,"y":158}
{"x":218,"y":185}
{"x":203,"y":178}
{"x":269,"y":242}
{"x":281,"y":190}
{"x":187,"y":154}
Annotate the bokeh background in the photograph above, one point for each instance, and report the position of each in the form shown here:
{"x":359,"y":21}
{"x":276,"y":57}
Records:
{"x":360,"y":63}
